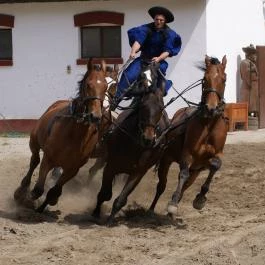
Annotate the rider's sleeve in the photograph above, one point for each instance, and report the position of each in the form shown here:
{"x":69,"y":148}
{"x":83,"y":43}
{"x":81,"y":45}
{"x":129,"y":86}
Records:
{"x":138,"y":34}
{"x":172,"y":43}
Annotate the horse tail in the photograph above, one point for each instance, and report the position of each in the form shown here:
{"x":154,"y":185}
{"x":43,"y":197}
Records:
{"x":34,"y":143}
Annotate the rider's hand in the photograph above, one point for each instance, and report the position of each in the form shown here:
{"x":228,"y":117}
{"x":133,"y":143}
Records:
{"x":132,"y":55}
{"x":156,"y":59}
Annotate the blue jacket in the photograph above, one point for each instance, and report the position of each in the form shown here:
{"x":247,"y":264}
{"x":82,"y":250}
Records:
{"x":153,"y":43}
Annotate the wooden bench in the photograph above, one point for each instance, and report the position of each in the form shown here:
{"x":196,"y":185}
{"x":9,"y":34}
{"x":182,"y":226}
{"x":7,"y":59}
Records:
{"x":237,"y":113}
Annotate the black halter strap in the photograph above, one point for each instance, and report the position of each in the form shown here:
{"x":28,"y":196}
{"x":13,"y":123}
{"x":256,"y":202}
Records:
{"x":206,"y":91}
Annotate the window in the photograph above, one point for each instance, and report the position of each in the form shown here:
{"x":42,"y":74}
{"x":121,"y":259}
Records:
{"x":100,"y":36}
{"x":5,"y":44}
{"x":104,"y":42}
{"x":6,"y":49}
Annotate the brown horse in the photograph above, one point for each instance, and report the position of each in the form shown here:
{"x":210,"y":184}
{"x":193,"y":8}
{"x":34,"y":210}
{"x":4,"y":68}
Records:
{"x":99,"y":151}
{"x":67,"y":133}
{"x":196,"y":138}
{"x":130,"y":145}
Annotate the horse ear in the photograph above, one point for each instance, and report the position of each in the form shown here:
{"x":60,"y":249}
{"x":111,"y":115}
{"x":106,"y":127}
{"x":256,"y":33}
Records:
{"x":90,"y":65}
{"x":163,"y":88}
{"x":207,"y":60}
{"x":116,"y":68}
{"x":103,"y":66}
{"x":224,"y":61}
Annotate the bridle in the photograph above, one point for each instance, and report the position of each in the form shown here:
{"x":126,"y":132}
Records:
{"x":205,"y":92}
{"x":151,"y":78}
{"x":84,"y":116}
{"x":78,"y":106}
{"x":151,"y":122}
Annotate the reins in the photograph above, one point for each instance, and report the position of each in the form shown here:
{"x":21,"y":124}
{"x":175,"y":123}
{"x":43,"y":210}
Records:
{"x":188,"y":88}
{"x":200,"y":106}
{"x":180,"y":95}
{"x":120,"y":128}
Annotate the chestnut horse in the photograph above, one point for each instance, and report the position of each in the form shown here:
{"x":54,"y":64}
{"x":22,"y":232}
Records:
{"x":130,"y":145}
{"x":99,"y":151}
{"x":196,"y":138}
{"x":67,"y":134}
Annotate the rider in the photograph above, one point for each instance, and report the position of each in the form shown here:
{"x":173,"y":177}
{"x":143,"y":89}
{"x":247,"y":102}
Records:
{"x":156,"y":41}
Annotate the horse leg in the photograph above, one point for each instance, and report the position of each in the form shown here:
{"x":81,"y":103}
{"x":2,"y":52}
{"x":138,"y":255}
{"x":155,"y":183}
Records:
{"x":21,"y":192}
{"x":45,"y":167}
{"x":100,"y":162}
{"x":183,"y":177}
{"x":161,"y":185}
{"x":200,"y":199}
{"x":105,"y":192}
{"x":121,"y":200}
{"x":56,"y":173}
{"x":55,"y":192}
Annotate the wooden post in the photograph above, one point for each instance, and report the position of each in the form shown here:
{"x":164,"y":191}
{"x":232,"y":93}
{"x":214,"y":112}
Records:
{"x":261,"y":70}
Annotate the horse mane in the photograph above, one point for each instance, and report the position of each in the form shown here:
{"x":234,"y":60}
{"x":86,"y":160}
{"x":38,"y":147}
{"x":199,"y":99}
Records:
{"x":81,"y":85}
{"x":201,"y":65}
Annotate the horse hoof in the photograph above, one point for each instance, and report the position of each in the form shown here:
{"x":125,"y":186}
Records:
{"x":172,"y":209}
{"x":21,"y":196}
{"x":96,"y":213}
{"x":110,"y":222}
{"x":150,"y":212}
{"x":41,"y":208}
{"x":20,"y":193}
{"x":199,"y":202}
{"x":28,"y":203}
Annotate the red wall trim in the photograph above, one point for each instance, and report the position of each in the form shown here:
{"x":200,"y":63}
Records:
{"x":17,"y":125}
{"x":7,"y":20}
{"x":98,"y":17}
{"x":6,"y":62}
{"x":98,"y":60}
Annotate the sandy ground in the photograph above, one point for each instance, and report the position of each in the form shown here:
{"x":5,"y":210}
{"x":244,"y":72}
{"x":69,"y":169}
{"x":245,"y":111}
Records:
{"x":229,"y":230}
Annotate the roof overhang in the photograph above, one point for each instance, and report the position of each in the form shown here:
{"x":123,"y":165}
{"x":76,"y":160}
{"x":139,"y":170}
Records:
{"x":41,"y":1}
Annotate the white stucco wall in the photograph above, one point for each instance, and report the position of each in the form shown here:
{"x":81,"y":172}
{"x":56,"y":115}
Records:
{"x":231,"y":25}
{"x":45,"y":41}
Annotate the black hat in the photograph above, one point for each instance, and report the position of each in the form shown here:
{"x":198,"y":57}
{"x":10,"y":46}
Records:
{"x":159,"y":10}
{"x":249,"y":49}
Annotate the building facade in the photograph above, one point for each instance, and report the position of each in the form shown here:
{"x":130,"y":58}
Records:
{"x":47,"y":50}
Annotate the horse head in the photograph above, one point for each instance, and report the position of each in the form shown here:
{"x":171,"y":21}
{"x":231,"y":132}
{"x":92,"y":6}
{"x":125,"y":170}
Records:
{"x":149,"y":115}
{"x":146,"y":81}
{"x":112,"y":80}
{"x":213,"y":86}
{"x":148,"y":77}
{"x":89,"y":101}
{"x":150,"y":105}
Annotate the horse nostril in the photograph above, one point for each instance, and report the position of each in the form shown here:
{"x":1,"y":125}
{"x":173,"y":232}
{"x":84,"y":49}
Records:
{"x":210,"y":108}
{"x":95,"y":119}
{"x":148,"y":142}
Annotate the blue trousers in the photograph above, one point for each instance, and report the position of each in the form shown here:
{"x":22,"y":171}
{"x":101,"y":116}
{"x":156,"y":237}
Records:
{"x":132,"y":72}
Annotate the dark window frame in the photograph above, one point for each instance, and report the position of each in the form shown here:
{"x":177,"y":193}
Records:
{"x":102,"y":31}
{"x":99,"y":19}
{"x":7,"y":23}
